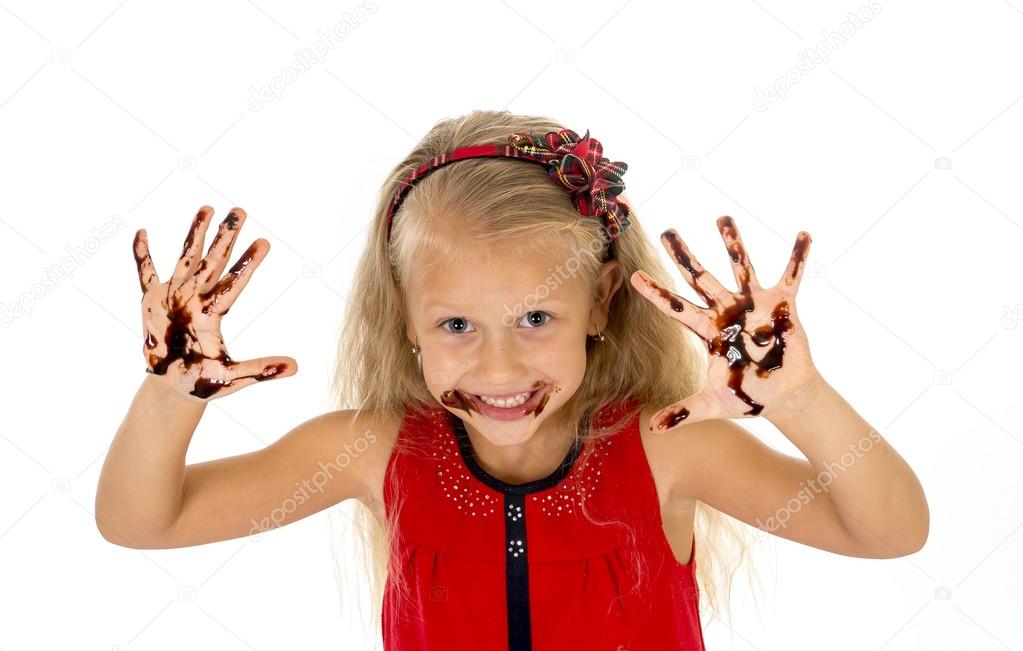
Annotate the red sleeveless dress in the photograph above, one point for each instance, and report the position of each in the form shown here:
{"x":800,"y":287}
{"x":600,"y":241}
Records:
{"x":492,"y":566}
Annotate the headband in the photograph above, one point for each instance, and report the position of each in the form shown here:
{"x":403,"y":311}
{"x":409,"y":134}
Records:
{"x":575,"y":164}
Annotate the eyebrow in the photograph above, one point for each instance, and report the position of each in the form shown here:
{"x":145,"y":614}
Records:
{"x":546,"y":301}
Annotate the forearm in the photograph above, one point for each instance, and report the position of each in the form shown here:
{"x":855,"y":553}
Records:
{"x":874,"y":492}
{"x":141,"y":483}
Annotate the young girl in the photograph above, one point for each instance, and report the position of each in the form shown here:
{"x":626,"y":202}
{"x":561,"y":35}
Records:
{"x":529,"y":438}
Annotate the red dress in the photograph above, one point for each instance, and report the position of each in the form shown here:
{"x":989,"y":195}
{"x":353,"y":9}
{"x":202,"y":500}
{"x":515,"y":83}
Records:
{"x":492,"y":566}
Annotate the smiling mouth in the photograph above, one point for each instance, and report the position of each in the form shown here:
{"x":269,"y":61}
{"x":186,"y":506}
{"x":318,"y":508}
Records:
{"x":470,"y":402}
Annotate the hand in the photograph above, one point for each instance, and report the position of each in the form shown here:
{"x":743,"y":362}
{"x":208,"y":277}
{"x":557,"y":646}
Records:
{"x":743,"y":379}
{"x":181,"y":317}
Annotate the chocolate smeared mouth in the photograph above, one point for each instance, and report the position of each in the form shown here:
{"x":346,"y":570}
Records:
{"x":470,"y":402}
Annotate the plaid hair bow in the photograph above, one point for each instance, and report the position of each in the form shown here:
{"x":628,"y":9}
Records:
{"x":577,"y":165}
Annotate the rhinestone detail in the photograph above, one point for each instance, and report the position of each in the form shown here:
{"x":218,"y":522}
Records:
{"x":564,"y":498}
{"x":515,"y":548}
{"x":580,"y":484}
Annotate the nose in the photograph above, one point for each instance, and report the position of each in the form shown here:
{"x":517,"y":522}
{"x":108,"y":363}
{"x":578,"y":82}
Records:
{"x":499,"y":360}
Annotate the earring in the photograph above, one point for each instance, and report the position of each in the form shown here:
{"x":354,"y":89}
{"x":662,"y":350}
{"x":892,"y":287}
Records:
{"x":417,"y":351}
{"x":600,"y":335}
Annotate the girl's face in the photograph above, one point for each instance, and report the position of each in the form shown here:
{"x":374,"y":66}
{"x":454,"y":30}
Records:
{"x":506,"y":327}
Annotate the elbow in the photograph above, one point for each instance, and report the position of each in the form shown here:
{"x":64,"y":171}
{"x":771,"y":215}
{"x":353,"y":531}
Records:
{"x":922,"y":541}
{"x":921,"y":528}
{"x":114,"y":537}
{"x":906,"y":537}
{"x":912,"y":537}
{"x":907,"y":544}
{"x":120,"y":526}
{"x":126,"y":537}
{"x":923,"y":531}
{"x":911,"y":528}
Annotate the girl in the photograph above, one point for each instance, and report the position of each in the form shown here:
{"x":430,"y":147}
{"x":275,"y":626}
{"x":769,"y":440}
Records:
{"x":531,"y":441}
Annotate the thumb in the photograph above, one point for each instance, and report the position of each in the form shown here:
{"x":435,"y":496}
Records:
{"x":694,"y":408}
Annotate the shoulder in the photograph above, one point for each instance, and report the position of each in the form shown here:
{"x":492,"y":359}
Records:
{"x":379,"y":430}
{"x":353,"y":441}
{"x":678,"y":458}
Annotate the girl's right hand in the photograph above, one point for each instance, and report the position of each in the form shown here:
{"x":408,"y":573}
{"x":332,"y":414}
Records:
{"x":181,"y":317}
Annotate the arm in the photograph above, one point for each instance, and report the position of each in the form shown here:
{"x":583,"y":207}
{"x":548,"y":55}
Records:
{"x":141,"y":482}
{"x":857,"y":501}
{"x":873,"y":491}
{"x":853,"y":494}
{"x":148,"y":499}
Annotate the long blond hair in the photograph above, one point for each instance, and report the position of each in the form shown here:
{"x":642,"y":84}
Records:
{"x":515,"y":206}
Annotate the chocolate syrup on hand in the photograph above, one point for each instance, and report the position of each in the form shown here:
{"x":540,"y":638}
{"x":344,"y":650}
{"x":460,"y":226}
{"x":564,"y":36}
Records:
{"x":171,"y":329}
{"x":731,"y":319}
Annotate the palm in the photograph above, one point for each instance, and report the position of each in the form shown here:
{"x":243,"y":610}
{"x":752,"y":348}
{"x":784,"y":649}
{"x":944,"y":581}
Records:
{"x":182,"y":316}
{"x":191,"y":336}
{"x":759,"y":354}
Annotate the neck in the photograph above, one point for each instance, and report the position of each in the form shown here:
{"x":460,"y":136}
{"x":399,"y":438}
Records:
{"x":519,"y":464}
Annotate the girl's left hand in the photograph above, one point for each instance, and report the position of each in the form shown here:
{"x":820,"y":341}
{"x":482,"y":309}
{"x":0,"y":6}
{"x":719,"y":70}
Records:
{"x":743,"y":380}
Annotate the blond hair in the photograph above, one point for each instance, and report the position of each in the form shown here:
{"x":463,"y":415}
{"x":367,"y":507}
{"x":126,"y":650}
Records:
{"x":509,"y":207}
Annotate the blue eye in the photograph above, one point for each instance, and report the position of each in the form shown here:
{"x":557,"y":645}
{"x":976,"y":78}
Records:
{"x":537,"y":325}
{"x":457,"y":318}
{"x":464,"y":321}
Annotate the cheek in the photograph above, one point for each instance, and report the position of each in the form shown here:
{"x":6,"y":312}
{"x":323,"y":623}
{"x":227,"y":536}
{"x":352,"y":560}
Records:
{"x":566,"y":347}
{"x":438,"y":380}
{"x":445,"y":364}
{"x":563,"y":356}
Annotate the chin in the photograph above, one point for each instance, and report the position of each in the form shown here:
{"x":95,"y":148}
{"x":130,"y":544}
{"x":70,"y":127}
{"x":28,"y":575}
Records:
{"x":500,"y":433}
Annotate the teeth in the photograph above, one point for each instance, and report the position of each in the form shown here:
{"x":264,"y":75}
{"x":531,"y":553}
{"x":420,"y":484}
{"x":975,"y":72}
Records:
{"x":514,"y":401}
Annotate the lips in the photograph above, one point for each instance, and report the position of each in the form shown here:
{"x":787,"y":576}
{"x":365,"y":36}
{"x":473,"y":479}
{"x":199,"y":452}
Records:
{"x":470,"y":402}
{"x":530,"y":406}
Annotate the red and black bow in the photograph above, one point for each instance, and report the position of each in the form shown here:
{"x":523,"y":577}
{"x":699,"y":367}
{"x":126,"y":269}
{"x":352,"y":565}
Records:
{"x":578,"y":166}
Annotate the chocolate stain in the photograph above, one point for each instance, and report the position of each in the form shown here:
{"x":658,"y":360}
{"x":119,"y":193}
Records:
{"x":180,"y":337}
{"x":731,"y":320}
{"x":458,"y":399}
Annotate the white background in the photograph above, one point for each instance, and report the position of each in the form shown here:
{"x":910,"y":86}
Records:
{"x":899,"y":154}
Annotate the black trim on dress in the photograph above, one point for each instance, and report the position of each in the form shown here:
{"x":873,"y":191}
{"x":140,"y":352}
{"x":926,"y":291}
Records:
{"x":516,"y":563}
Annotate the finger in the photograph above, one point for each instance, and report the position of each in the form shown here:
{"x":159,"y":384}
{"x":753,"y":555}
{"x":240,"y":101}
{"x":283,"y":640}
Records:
{"x":705,"y":284}
{"x":191,"y":250}
{"x":689,"y":314}
{"x":694,"y":408}
{"x":223,"y":295}
{"x":263,"y":368}
{"x":742,"y":268}
{"x":143,"y":262}
{"x":213,"y":264}
{"x":797,"y":261}
{"x":239,"y":375}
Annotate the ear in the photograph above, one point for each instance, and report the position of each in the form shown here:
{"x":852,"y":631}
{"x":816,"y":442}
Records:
{"x":610,"y":279}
